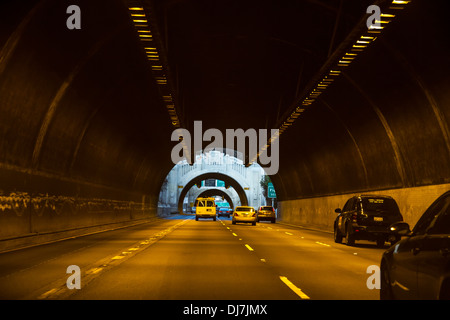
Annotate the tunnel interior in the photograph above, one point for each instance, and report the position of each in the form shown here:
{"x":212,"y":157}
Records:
{"x":87,"y":114}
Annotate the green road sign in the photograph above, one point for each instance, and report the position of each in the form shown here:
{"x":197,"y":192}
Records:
{"x":271,"y":191}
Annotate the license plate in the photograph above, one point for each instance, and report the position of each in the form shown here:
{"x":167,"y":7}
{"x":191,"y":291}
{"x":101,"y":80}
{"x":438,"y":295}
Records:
{"x":377,"y":218}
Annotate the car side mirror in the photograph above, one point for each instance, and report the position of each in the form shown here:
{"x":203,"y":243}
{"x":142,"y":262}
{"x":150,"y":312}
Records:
{"x":338,"y":210}
{"x":400,"y":228}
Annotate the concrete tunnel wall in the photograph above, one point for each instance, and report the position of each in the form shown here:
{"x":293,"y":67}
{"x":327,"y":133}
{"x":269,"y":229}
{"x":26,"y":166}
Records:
{"x":382,"y":127}
{"x":78,"y":126}
{"x":83,"y":141}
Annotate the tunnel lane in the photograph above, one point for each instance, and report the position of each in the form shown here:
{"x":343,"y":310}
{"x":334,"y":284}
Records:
{"x":184,"y":259}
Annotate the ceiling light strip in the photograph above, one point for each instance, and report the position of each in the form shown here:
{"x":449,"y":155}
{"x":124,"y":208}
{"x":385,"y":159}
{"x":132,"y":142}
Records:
{"x":140,"y":16}
{"x":342,"y":61}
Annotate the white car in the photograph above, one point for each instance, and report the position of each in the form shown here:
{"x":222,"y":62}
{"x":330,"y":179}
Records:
{"x":244,"y":214}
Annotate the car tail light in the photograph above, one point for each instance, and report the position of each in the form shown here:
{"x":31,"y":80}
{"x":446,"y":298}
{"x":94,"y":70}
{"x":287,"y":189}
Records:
{"x":254,"y":215}
{"x":235,"y":214}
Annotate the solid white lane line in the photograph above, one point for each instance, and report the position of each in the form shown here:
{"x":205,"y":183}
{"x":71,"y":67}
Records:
{"x":94,"y":270}
{"x":46,"y":294}
{"x":294,"y":288}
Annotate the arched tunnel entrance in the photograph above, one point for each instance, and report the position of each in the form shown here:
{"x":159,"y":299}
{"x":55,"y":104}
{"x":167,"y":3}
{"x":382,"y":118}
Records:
{"x":219,"y":176}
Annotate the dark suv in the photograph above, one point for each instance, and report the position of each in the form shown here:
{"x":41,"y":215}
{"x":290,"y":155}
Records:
{"x":367,"y":217}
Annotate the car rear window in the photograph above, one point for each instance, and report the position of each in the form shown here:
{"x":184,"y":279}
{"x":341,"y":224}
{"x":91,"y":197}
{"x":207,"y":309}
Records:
{"x":206,"y":203}
{"x":384,"y":205}
{"x":244,"y":209}
{"x":267,"y":208}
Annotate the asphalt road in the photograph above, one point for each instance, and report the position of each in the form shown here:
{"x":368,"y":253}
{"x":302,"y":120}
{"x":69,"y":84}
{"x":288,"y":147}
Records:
{"x":184,"y":259}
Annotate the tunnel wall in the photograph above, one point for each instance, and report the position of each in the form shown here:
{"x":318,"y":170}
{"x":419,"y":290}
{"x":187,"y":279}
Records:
{"x":44,"y":208}
{"x":381,"y":127}
{"x":78,"y":130}
{"x":319,"y":212}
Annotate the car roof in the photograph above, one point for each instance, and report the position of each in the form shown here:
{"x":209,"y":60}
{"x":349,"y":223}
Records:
{"x":373,"y":196}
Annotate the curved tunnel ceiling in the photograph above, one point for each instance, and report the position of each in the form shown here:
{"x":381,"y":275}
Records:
{"x":83,"y":114}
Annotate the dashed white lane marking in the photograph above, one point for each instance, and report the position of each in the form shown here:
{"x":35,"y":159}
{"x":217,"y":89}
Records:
{"x":294,"y":288}
{"x":61,"y":289}
{"x":289,"y":234}
{"x":323,"y":244}
{"x":249,"y":248}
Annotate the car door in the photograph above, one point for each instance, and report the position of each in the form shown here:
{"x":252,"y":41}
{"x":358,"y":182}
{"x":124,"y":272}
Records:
{"x":342,"y":216}
{"x":404,"y":264}
{"x":408,"y":254}
{"x":433,"y":252}
{"x":348,"y":211}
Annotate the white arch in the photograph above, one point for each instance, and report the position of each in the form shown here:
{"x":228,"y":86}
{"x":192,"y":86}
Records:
{"x":248,"y":178}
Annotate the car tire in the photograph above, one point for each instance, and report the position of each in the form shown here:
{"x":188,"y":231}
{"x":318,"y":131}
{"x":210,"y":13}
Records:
{"x":444,"y":292}
{"x":233,"y":222}
{"x":273,"y":220}
{"x":337,"y":235}
{"x":385,"y":285}
{"x":196,"y":218}
{"x":349,"y":237}
{"x":253,"y":223}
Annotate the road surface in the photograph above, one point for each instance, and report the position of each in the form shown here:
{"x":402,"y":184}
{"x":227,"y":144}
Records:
{"x":183,"y":259}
